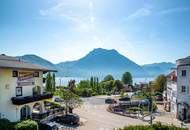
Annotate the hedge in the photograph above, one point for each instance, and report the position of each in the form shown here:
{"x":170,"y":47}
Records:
{"x":6,"y":124}
{"x":157,"y":126}
{"x":26,"y":125}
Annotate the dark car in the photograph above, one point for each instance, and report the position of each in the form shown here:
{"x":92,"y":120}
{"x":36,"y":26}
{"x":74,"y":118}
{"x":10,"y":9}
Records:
{"x":48,"y":126}
{"x":125,"y":99}
{"x":70,"y":119}
{"x":110,"y":101}
{"x":58,"y":100}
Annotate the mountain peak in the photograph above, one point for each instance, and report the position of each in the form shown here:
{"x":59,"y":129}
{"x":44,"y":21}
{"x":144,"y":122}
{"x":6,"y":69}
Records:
{"x":102,"y":50}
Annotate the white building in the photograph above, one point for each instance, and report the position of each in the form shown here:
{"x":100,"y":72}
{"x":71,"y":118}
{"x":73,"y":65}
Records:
{"x":183,"y":93}
{"x":21,"y":88}
{"x":170,"y":100}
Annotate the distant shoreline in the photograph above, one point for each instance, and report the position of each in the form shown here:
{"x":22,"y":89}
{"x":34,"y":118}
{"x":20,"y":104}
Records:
{"x":64,"y":80}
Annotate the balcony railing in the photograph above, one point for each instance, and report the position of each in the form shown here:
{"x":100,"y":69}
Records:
{"x":29,"y":99}
{"x":48,"y":114}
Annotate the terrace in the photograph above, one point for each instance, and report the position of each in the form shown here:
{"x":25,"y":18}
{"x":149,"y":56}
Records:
{"x":29,"y":99}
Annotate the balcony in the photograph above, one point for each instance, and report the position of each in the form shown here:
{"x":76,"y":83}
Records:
{"x":29,"y":99}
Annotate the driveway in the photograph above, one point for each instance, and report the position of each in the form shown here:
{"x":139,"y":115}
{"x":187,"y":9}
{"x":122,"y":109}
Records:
{"x":95,"y":116}
{"x":93,"y":112}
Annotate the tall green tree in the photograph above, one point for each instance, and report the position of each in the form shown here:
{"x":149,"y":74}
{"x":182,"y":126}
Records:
{"x":108,"y":78}
{"x":160,"y":83}
{"x":109,"y":85}
{"x":127,"y":78}
{"x":53,"y":82}
{"x":97,"y":80}
{"x":91,"y":81}
{"x":49,"y":87}
{"x":118,"y":85}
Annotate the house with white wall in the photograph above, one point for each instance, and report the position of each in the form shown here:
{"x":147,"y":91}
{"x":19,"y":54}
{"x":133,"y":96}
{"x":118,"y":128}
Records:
{"x":21,"y":88}
{"x":183,"y":91}
{"x":170,"y":99}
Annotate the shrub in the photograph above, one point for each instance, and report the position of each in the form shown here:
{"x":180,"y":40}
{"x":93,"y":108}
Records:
{"x":26,"y":125}
{"x":157,"y":126}
{"x":6,"y":124}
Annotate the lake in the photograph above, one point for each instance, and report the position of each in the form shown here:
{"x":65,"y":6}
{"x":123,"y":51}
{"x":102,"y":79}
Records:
{"x":64,"y":80}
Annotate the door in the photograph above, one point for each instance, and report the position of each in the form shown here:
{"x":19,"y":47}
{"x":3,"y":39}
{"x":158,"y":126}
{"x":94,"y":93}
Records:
{"x":25,"y":112}
{"x":184,"y":113}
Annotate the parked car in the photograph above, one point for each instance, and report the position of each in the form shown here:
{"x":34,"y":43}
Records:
{"x":125,"y":99}
{"x":70,"y":119}
{"x":48,"y":126}
{"x":110,"y":101}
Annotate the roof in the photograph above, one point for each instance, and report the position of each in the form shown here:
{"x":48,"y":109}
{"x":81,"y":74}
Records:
{"x":172,"y":76}
{"x":14,"y":63}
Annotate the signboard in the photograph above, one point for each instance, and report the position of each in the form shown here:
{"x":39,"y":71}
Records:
{"x":25,"y":79}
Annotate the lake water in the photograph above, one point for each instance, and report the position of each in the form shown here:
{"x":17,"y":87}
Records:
{"x":64,"y":80}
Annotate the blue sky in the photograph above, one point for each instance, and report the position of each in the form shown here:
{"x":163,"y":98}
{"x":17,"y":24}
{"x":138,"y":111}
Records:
{"x":145,"y":31}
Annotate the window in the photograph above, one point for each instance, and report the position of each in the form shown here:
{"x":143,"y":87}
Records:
{"x":15,"y":73}
{"x":18,"y":91}
{"x":36,"y":90}
{"x":183,"y":89}
{"x":36,"y":74}
{"x":183,"y":72}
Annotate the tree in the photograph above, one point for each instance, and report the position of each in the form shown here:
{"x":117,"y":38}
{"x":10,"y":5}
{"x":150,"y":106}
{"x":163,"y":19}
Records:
{"x":92,"y":81}
{"x":71,"y":85}
{"x":97,"y":81}
{"x":70,"y":100}
{"x":49,"y":82}
{"x":109,"y":85}
{"x":108,"y":78}
{"x":127,"y":78}
{"x":84,"y":84}
{"x":118,"y":85}
{"x":160,"y":83}
{"x":84,"y":88}
{"x":53,"y":82}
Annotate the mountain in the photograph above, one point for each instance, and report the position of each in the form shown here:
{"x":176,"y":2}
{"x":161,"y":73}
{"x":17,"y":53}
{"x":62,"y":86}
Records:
{"x":100,"y":62}
{"x":158,"y":68}
{"x":37,"y":60}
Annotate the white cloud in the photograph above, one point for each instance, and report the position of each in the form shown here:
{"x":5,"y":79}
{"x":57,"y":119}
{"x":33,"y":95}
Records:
{"x":142,"y":12}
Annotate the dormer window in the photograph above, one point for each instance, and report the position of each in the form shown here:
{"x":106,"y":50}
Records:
{"x":183,"y":73}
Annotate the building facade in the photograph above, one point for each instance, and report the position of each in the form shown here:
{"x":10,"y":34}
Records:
{"x":170,"y":97}
{"x":183,"y":92}
{"x":21,"y":89}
